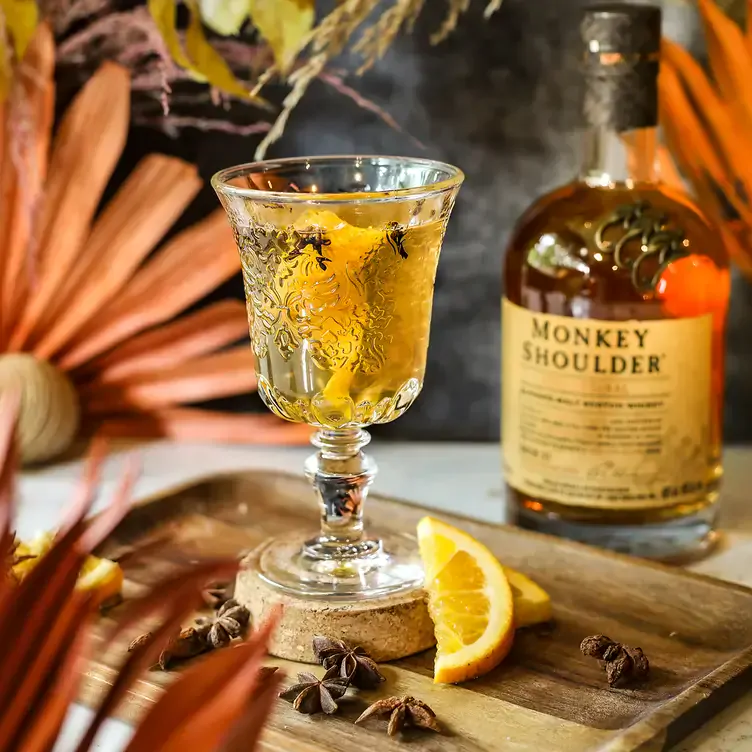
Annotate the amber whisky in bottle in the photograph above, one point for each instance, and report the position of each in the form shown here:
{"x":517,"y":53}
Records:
{"x":616,"y":292}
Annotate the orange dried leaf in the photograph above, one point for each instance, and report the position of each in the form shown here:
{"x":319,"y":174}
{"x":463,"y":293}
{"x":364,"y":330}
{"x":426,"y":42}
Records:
{"x":198,"y":708}
{"x":144,"y":208}
{"x":193,"y":424}
{"x":9,"y":406}
{"x":700,"y":179}
{"x":698,"y":153}
{"x":678,"y":109}
{"x":43,"y":639}
{"x":217,"y":375}
{"x":30,"y":685}
{"x":25,"y":167}
{"x":737,"y":250}
{"x":730,"y":59}
{"x":723,"y":130}
{"x":79,"y":172}
{"x":246,"y":732}
{"x":106,"y":522}
{"x":189,"y":267}
{"x":211,"y":328}
{"x":183,"y":593}
{"x":48,"y":712}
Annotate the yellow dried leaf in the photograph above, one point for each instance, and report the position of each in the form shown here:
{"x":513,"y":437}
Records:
{"x":6,"y":70}
{"x":21,"y":18}
{"x":207,"y":61}
{"x":164,"y":13}
{"x":285,"y":24}
{"x":225,"y":17}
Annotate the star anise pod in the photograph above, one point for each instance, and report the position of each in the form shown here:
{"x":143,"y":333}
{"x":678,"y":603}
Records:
{"x":403,"y":712}
{"x":228,"y":622}
{"x":623,"y":664}
{"x":186,"y":644}
{"x":353,"y":664}
{"x":311,"y":695}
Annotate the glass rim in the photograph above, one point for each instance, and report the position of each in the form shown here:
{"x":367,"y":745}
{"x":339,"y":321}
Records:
{"x":219,"y":180}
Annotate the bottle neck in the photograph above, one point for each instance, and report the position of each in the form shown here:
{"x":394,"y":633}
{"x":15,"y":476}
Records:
{"x":611,"y":158}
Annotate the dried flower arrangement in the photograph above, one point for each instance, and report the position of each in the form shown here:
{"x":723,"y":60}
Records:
{"x":707,"y":124}
{"x":221,"y":703}
{"x":249,"y":44}
{"x":86,"y":308}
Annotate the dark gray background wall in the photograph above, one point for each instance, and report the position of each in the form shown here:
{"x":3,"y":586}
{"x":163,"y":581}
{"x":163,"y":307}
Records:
{"x":499,"y":99}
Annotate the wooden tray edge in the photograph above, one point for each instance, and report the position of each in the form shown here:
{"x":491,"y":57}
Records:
{"x":680,"y":717}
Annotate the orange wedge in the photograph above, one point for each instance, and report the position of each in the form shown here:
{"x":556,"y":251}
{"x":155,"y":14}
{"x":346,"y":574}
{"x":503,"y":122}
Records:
{"x":469,"y":599}
{"x":103,"y":576}
{"x":532,"y":604}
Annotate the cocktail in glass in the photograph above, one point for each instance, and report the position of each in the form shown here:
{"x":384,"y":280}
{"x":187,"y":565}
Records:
{"x":339,"y":259}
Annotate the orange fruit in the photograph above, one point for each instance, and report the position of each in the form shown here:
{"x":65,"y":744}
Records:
{"x":100,"y":575}
{"x":469,"y":599}
{"x":532,"y":604}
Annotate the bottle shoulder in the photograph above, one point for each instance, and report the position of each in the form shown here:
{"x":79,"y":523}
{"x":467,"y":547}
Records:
{"x":577,"y":207}
{"x":606,"y":249}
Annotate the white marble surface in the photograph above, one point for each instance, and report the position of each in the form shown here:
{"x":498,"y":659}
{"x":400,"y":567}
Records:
{"x":464,"y":478}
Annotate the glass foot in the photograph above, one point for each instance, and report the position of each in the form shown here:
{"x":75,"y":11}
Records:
{"x":319,"y":568}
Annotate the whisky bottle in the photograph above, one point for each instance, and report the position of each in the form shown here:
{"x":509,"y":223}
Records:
{"x":616,"y":294}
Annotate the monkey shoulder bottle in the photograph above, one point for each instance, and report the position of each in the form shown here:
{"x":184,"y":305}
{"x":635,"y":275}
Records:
{"x":616,"y":293}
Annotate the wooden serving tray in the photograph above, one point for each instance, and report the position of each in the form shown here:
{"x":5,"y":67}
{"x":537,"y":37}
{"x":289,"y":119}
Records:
{"x":546,"y":697}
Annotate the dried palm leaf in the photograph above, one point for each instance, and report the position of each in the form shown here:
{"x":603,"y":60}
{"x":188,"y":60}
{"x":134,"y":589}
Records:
{"x":707,"y":123}
{"x":45,"y":629}
{"x":83,"y":289}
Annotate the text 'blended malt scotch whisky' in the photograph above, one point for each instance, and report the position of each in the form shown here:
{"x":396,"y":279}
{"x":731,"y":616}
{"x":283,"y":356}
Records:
{"x":613,"y":328}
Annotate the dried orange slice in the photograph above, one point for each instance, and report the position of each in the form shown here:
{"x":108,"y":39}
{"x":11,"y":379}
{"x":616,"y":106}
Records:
{"x":469,"y":599}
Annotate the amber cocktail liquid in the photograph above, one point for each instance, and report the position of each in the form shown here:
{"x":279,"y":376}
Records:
{"x":339,"y":311}
{"x":339,"y":258}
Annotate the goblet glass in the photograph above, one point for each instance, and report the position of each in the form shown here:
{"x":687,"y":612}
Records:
{"x":339,"y":259}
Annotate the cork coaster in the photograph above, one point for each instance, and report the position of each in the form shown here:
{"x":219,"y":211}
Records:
{"x":390,"y":627}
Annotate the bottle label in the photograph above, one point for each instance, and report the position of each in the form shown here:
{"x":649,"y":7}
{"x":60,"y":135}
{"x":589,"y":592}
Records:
{"x":609,"y":414}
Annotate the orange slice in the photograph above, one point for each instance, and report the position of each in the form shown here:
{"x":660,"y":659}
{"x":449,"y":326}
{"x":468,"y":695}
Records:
{"x":469,"y":599}
{"x":103,"y":576}
{"x":29,"y":553}
{"x":532,"y":604}
{"x":100,"y":575}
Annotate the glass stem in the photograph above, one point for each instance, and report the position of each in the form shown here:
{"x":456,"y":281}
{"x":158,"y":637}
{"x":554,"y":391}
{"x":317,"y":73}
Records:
{"x":341,"y":475}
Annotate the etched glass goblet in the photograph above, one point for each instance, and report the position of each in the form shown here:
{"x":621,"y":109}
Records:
{"x":339,"y":259}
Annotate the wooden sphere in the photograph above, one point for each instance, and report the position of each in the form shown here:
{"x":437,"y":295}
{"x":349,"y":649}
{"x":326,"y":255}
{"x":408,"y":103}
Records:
{"x":50,"y":412}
